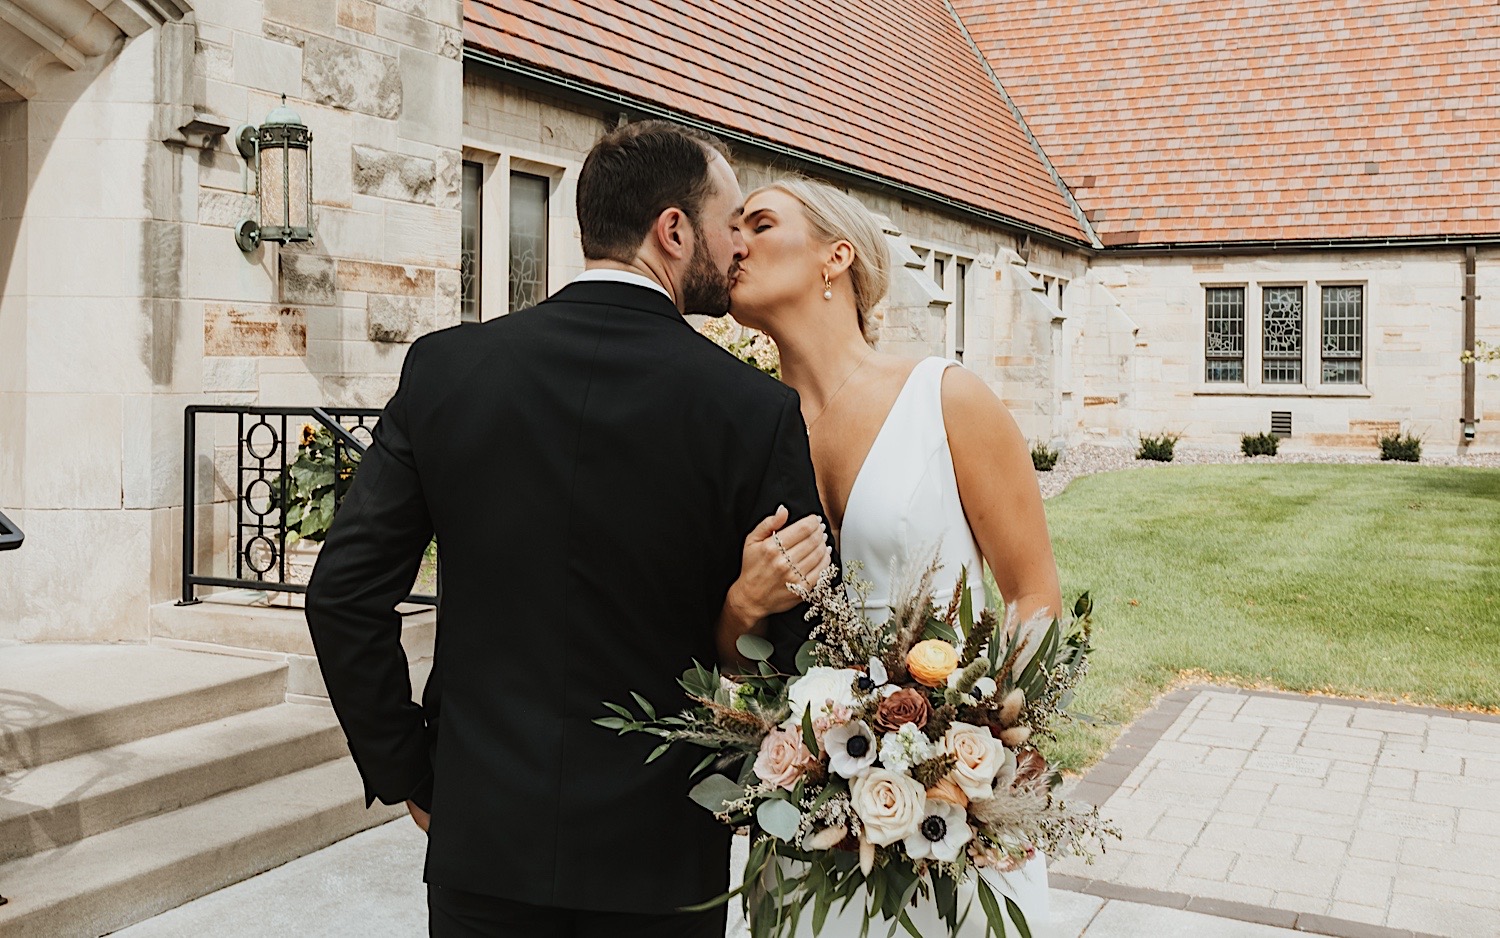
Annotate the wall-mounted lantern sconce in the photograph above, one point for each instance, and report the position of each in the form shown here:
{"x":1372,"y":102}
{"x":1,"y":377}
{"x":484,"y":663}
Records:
{"x":281,"y":152}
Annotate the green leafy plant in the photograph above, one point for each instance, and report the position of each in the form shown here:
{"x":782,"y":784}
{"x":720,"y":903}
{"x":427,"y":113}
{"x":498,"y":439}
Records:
{"x":1043,"y":457}
{"x":315,"y":481}
{"x":1157,"y":448}
{"x":1401,"y":447}
{"x":1259,"y":444}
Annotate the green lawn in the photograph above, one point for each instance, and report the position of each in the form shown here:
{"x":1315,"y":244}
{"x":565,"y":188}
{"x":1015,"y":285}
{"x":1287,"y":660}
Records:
{"x":1375,"y":581}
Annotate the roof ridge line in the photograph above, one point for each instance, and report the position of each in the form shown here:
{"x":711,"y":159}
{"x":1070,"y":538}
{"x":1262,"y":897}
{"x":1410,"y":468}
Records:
{"x":1036,"y":145}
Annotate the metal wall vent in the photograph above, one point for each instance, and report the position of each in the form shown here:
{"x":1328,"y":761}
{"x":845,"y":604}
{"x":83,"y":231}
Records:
{"x":1281,"y":423}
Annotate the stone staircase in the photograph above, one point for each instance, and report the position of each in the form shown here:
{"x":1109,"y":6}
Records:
{"x":135,"y":778}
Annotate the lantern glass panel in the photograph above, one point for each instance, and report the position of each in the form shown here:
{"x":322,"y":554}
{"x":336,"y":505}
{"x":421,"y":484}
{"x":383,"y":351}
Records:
{"x":272,"y":187}
{"x":296,"y":180}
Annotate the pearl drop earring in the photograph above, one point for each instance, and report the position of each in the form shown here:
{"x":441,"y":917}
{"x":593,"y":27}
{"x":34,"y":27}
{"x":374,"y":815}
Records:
{"x":827,"y":288}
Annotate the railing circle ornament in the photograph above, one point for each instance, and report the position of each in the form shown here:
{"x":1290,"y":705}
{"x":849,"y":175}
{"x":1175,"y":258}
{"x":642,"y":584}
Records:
{"x":260,"y":497}
{"x":261,"y":555}
{"x":253,"y":437}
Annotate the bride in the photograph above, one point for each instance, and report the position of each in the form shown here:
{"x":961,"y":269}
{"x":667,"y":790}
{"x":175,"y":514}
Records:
{"x":910,"y":455}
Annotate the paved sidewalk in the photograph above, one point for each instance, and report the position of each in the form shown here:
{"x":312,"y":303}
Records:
{"x":1334,"y":816}
{"x":370,"y":886}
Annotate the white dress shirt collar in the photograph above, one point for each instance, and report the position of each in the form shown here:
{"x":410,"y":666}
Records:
{"x":620,"y":276}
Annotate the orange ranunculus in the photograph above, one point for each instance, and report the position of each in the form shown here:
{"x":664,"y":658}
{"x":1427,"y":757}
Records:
{"x":931,"y":662}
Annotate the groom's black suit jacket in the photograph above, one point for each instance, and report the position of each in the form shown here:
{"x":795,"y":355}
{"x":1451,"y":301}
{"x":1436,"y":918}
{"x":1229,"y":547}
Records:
{"x":591,"y":467}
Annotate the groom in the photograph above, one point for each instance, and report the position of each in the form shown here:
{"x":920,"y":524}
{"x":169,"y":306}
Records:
{"x":590,"y":467}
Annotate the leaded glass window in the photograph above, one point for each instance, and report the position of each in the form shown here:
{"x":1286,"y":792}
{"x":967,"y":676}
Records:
{"x":468,"y":264}
{"x":528,"y":239}
{"x":1343,"y":334}
{"x":1281,"y":350}
{"x":1225,"y":344}
{"x":960,"y":311}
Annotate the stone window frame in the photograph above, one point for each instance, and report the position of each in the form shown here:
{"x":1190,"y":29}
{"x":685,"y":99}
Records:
{"x":1363,"y":332}
{"x":494,"y":226}
{"x":1312,"y":384}
{"x":1245,"y":330}
{"x":941,"y":263}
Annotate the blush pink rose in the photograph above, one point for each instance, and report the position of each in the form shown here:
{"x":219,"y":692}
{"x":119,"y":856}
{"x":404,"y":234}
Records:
{"x":783,"y":758}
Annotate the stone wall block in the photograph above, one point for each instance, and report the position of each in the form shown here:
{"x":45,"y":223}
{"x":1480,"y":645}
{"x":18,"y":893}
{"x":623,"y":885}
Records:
{"x":409,"y":30}
{"x":435,"y":85}
{"x":241,"y":330}
{"x":358,"y":15}
{"x":266,"y":64}
{"x":394,"y":175}
{"x":392,"y":318}
{"x":421,"y":235}
{"x":364,"y":277}
{"x":318,"y":16}
{"x":307,"y":278}
{"x":413,"y":7}
{"x":213,"y":60}
{"x":450,"y":180}
{"x":340,"y":75}
{"x":225,"y":209}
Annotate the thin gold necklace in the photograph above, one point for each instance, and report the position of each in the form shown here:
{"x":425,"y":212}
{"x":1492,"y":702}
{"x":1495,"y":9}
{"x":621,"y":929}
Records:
{"x":836,"y":390}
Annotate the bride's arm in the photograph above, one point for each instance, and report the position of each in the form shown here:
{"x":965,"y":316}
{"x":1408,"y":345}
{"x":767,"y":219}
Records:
{"x":997,"y":485}
{"x":765,"y":570}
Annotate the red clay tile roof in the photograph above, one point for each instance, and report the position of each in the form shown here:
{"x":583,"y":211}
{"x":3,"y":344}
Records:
{"x":1224,"y":120}
{"x":888,"y":87}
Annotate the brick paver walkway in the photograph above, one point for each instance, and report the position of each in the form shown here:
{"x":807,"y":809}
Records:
{"x":1320,"y":812}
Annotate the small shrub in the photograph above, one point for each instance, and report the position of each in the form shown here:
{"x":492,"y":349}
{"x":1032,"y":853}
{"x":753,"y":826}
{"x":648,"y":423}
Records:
{"x":1401,"y":447}
{"x":1157,"y":448}
{"x":1043,"y":457}
{"x":1259,"y":444}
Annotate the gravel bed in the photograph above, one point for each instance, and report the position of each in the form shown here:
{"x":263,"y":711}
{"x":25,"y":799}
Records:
{"x":1088,"y":458}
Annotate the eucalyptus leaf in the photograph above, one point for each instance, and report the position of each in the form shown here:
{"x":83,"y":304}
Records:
{"x":716,"y":791}
{"x":806,"y":657}
{"x":645,"y":705}
{"x":754,"y":647}
{"x":808,"y":736}
{"x":658,"y":752}
{"x":779,"y":819}
{"x":1016,"y":916}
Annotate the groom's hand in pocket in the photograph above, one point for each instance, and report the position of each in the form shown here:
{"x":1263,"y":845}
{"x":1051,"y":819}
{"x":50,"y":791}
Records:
{"x":417,"y":814}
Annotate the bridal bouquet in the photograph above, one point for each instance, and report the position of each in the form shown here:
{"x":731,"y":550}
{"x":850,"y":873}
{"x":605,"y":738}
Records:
{"x":900,"y":758}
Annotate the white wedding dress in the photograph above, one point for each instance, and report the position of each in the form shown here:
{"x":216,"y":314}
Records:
{"x":904,"y":504}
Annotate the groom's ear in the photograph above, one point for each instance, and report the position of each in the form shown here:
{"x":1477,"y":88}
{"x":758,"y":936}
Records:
{"x":673,"y":234}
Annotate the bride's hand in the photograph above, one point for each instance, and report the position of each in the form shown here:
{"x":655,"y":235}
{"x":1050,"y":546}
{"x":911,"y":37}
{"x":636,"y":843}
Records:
{"x":775,"y":555}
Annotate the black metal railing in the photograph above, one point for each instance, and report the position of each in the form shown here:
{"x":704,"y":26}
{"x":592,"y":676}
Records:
{"x":11,"y":535}
{"x":280,"y":487}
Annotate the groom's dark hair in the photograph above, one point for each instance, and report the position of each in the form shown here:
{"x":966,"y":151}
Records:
{"x":632,"y":175}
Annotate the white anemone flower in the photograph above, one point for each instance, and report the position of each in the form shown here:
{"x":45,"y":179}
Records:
{"x":942,"y":833}
{"x":851,"y":749}
{"x":873,"y":679}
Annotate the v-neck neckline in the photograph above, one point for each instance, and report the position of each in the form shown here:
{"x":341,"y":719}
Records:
{"x":874,"y":445}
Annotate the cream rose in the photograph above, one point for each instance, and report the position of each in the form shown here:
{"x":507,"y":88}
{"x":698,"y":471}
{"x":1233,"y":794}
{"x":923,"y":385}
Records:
{"x":782,"y":759}
{"x":978,"y":758}
{"x":889,"y":805}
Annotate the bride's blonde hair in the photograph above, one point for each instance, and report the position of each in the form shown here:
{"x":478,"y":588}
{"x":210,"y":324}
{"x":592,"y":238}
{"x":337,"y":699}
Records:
{"x":837,"y":216}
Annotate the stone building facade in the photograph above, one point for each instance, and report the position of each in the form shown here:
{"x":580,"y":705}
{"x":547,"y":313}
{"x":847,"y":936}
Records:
{"x":126,"y":297}
{"x":445,"y":162}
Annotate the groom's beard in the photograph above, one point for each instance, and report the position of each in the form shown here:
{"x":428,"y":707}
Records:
{"x":705,"y":288}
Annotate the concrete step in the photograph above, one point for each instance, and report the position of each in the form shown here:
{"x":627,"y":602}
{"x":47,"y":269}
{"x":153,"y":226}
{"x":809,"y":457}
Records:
{"x":62,"y":700}
{"x":105,"y":882}
{"x":67,"y":800}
